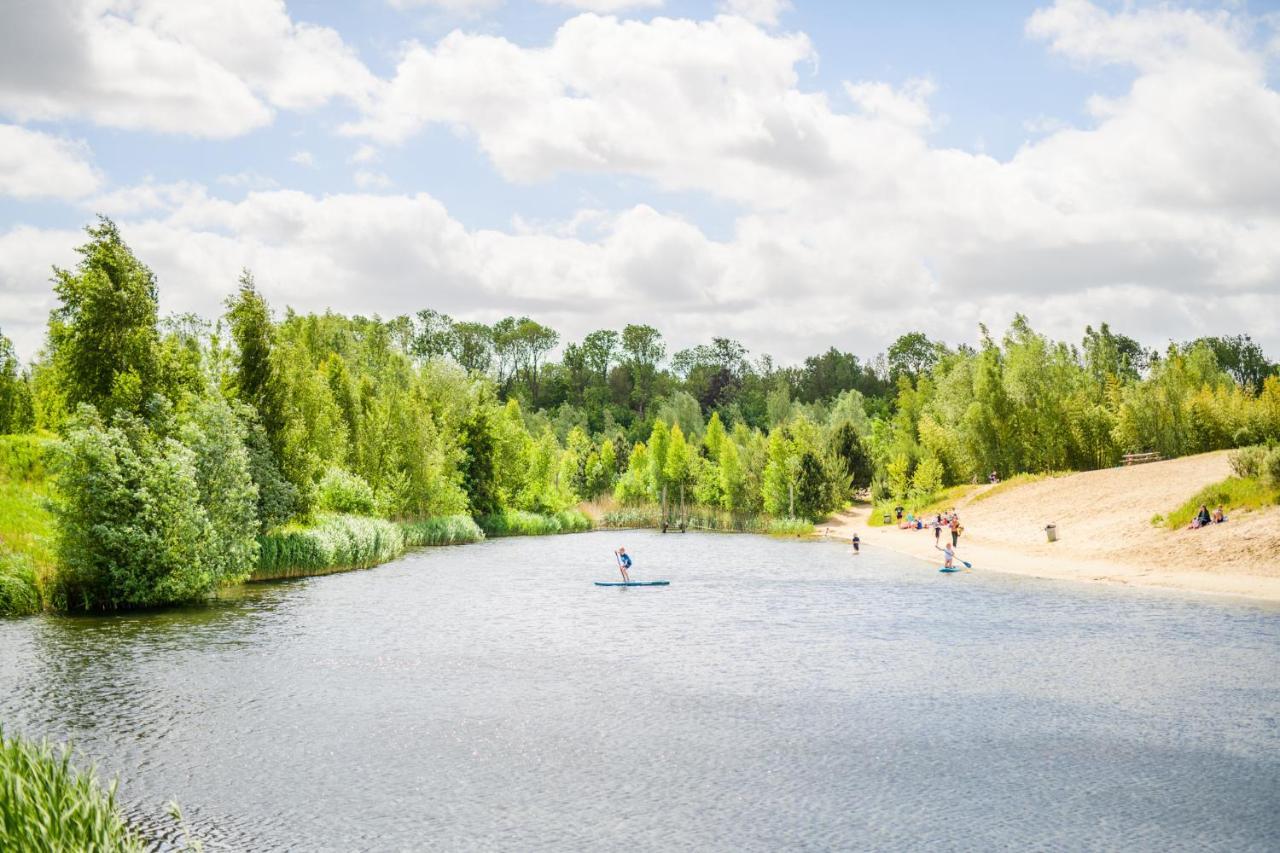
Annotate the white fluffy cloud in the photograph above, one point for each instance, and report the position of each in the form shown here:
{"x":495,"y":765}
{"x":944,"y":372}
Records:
{"x":1161,"y":214}
{"x":759,"y":11}
{"x":213,"y":69}
{"x":37,"y":165}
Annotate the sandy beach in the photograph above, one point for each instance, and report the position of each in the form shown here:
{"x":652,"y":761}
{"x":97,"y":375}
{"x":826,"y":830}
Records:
{"x":1105,"y":534}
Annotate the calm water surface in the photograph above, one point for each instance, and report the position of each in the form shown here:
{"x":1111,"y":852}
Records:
{"x":776,"y":695}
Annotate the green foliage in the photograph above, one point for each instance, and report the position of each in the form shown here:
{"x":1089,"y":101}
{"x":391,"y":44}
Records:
{"x":441,"y":530}
{"x":1270,"y":468}
{"x":26,"y":526}
{"x":341,"y":491}
{"x":1246,"y":463}
{"x":1232,"y":494}
{"x":521,"y":523}
{"x":790,"y":527}
{"x":16,"y":412}
{"x":103,"y":335}
{"x":334,"y":543}
{"x":46,"y":804}
{"x":145,"y":520}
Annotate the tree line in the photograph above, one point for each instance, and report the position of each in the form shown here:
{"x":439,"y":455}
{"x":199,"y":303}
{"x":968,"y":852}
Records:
{"x":183,"y":440}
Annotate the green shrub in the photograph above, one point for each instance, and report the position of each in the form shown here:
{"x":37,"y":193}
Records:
{"x":19,"y":586}
{"x":25,"y":457}
{"x":343,"y":492}
{"x":1247,"y":461}
{"x":515,"y":522}
{"x":146,"y":520}
{"x":1270,"y":468}
{"x":46,"y":804}
{"x":441,"y":530}
{"x":335,"y":543}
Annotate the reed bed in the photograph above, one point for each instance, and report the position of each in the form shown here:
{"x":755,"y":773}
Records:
{"x":707,"y":518}
{"x":514,"y":522}
{"x":46,"y":804}
{"x":441,"y":530}
{"x":335,"y":543}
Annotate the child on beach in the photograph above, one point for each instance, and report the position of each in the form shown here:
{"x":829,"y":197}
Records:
{"x":856,"y":542}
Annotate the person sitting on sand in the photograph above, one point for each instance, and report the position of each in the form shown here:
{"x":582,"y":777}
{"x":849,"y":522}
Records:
{"x":1202,"y":517}
{"x":624,"y":563}
{"x":1218,"y":515}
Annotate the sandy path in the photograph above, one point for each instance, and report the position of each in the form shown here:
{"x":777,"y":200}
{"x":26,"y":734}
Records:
{"x":1105,"y":532}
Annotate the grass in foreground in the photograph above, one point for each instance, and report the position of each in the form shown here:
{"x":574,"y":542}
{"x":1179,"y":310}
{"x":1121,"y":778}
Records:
{"x":1233,"y":494}
{"x":46,"y":804}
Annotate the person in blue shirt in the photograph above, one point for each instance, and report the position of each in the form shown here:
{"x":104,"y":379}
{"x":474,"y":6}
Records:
{"x":624,"y":563}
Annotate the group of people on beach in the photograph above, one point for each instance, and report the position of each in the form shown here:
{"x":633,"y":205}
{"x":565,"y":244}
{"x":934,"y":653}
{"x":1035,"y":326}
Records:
{"x":948,"y":521}
{"x":1204,"y":518}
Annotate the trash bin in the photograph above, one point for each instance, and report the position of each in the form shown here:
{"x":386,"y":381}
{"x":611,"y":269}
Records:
{"x":888,"y":519}
{"x":1052,"y":531}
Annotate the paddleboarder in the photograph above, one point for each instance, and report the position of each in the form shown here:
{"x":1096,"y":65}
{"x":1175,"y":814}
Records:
{"x":624,"y":563}
{"x":856,"y":543}
{"x":950,"y":554}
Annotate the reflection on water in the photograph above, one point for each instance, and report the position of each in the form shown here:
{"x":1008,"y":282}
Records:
{"x":777,"y":694}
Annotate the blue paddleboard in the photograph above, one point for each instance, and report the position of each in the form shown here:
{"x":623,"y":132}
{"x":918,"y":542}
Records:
{"x":633,"y":583}
{"x":952,"y":569}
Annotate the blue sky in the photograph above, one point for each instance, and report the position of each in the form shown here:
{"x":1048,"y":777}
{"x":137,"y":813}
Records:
{"x":985,"y":158}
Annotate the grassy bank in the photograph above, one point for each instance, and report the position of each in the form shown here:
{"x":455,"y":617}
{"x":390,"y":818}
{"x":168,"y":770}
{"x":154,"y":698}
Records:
{"x":1234,"y":494}
{"x":26,"y":526}
{"x":442,"y":530}
{"x":708,"y":518}
{"x":47,"y":804}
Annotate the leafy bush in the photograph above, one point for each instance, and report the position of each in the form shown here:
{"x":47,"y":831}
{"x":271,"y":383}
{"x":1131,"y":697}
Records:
{"x":336,"y":543}
{"x":46,"y":804}
{"x":514,"y":522}
{"x":1247,"y":461}
{"x":441,"y":530}
{"x":1270,"y":468}
{"x":146,"y":520}
{"x":25,"y":457}
{"x":343,"y":492}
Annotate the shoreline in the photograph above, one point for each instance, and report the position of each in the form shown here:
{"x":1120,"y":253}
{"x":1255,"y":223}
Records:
{"x":1062,"y":564}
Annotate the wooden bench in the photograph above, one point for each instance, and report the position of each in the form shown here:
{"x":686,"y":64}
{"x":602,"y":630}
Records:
{"x":1139,"y":458}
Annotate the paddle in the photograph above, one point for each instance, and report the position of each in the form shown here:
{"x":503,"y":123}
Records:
{"x":967,"y":564}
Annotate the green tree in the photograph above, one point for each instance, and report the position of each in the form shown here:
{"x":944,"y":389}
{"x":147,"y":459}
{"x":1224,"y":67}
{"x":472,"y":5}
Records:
{"x":15,"y":393}
{"x":103,"y":335}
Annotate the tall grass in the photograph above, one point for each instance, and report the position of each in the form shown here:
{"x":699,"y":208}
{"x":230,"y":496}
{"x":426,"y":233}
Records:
{"x":708,"y":518}
{"x":441,"y":530}
{"x":46,"y":804}
{"x":335,"y":543}
{"x":514,"y":522}
{"x":1233,"y":494}
{"x":26,"y":526}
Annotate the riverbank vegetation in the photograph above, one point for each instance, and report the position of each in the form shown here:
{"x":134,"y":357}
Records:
{"x":193,"y":453}
{"x":27,"y":526}
{"x":48,"y":804}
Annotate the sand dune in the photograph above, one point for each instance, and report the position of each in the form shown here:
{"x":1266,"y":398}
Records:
{"x":1105,"y":531}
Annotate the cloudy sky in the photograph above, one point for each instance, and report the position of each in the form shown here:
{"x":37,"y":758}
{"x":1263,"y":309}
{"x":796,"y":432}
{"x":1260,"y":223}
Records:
{"x":794,"y":174}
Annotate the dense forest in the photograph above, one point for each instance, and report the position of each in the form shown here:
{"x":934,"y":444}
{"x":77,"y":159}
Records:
{"x":187,"y":451}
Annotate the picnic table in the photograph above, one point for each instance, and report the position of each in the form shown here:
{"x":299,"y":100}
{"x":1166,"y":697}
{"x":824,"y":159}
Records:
{"x":1139,"y":458}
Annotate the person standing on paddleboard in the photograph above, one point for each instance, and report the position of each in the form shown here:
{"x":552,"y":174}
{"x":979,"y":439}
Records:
{"x":856,"y":542}
{"x":624,"y":563}
{"x":949,"y":554}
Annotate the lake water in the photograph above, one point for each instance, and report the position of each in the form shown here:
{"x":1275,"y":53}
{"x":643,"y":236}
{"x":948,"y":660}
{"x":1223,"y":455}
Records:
{"x":777,"y":695}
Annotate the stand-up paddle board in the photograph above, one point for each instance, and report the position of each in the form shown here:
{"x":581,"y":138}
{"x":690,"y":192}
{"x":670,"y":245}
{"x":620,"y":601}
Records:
{"x":952,"y":569}
{"x":633,"y":583}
